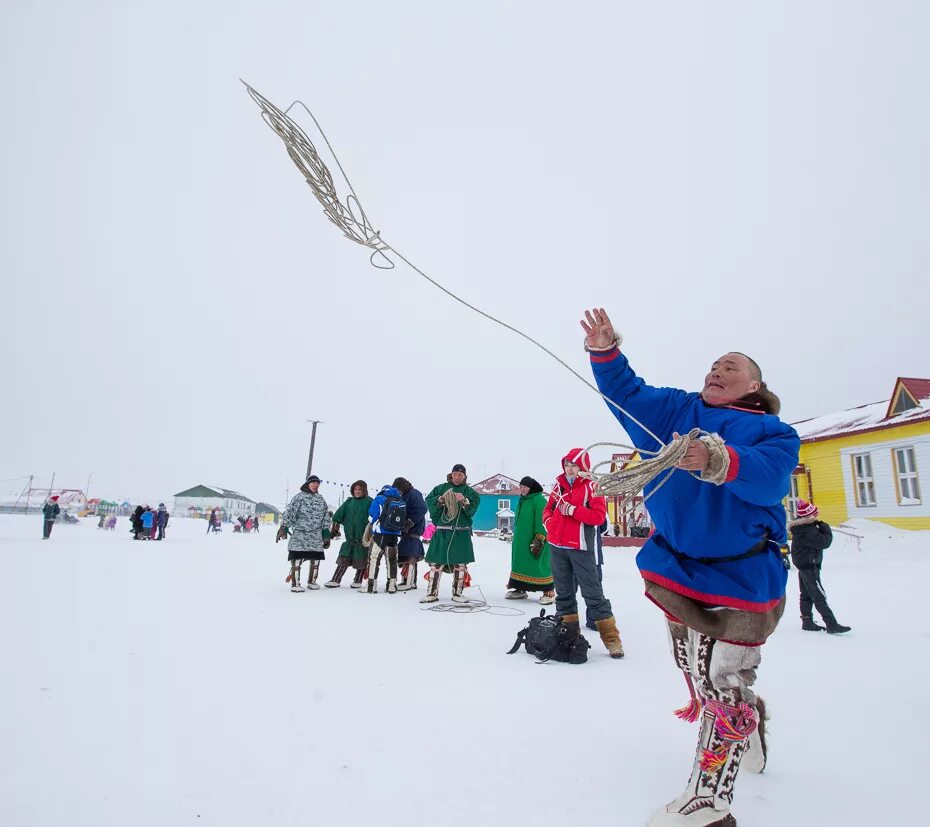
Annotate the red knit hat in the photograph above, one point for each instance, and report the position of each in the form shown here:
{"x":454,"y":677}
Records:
{"x":806,"y":509}
{"x":53,"y":498}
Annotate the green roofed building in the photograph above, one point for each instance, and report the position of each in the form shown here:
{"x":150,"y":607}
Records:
{"x":200,"y":500}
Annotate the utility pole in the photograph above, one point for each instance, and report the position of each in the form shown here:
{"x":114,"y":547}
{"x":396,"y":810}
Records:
{"x":87,"y":490}
{"x":315,"y":422}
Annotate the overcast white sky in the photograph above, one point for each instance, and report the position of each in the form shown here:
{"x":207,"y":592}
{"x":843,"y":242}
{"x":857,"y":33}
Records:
{"x":719,"y":176}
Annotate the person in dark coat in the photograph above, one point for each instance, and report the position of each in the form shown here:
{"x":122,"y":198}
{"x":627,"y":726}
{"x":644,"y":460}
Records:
{"x":410,"y":550}
{"x":161,"y":519}
{"x":50,"y":512}
{"x":135,"y":520}
{"x":809,"y":537}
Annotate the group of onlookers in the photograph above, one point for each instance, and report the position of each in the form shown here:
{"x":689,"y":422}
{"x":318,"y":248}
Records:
{"x":149,"y":523}
{"x":241,"y":524}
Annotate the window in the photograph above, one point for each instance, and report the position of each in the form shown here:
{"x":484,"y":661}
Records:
{"x":793,"y":497}
{"x":906,"y":482}
{"x":864,"y":481}
{"x":501,"y":504}
{"x":905,"y":402}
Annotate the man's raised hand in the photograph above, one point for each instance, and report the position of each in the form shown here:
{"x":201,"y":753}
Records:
{"x":599,"y":332}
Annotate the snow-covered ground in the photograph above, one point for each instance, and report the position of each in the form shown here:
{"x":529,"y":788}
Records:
{"x":182,"y":683}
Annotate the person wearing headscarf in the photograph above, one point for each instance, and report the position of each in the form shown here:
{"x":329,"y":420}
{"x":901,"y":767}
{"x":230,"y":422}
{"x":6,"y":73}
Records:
{"x":352,"y":516}
{"x":530,"y":566}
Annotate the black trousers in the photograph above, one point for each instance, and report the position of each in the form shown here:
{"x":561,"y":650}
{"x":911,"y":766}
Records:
{"x":47,"y":528}
{"x":813,"y":595}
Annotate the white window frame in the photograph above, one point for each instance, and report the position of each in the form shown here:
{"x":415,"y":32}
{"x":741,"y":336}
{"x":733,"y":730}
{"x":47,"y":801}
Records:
{"x":502,"y":504}
{"x":793,"y":497}
{"x":906,"y":477}
{"x":864,"y":482}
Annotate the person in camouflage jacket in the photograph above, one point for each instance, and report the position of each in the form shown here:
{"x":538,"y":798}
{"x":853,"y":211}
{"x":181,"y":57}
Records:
{"x":307,"y":523}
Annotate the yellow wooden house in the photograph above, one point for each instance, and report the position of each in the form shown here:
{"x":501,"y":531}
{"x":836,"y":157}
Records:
{"x":867,"y":461}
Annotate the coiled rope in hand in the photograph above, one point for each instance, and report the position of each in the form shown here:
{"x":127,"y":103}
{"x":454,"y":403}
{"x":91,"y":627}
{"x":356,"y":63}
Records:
{"x":350,"y":217}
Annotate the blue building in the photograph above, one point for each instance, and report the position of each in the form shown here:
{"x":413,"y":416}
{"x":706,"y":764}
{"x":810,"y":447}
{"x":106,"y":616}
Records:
{"x":500,"y":495}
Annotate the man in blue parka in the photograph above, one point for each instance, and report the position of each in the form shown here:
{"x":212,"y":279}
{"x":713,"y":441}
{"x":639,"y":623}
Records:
{"x":713,"y":563}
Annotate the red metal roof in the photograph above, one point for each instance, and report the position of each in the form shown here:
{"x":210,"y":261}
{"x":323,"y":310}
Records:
{"x":875,"y":416}
{"x":492,"y":485}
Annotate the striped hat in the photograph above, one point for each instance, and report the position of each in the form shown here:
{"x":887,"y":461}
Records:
{"x":806,"y":509}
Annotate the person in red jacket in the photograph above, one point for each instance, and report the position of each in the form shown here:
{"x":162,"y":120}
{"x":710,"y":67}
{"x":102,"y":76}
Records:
{"x":573,"y":517}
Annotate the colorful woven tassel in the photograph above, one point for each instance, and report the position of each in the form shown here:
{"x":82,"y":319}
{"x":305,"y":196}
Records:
{"x":692,"y":711}
{"x":713,"y":760}
{"x":732,"y":724}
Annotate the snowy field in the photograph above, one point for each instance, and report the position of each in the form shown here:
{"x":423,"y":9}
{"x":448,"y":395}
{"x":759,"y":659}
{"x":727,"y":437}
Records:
{"x":182,"y":683}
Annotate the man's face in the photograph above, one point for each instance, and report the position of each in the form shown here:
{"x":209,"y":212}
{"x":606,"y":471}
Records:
{"x":571,"y":470}
{"x":730,"y":378}
{"x":313,"y":486}
{"x":524,"y":490}
{"x":457,"y":478}
{"x":357,"y":491}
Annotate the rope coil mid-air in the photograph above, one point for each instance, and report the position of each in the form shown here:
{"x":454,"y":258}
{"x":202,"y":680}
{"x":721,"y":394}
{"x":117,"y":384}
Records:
{"x":350,"y":217}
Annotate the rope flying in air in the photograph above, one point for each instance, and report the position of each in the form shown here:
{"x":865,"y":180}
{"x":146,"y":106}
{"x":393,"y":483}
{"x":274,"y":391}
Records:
{"x":350,"y":217}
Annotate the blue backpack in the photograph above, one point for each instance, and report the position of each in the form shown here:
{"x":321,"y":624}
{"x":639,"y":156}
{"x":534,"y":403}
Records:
{"x":393,"y":515}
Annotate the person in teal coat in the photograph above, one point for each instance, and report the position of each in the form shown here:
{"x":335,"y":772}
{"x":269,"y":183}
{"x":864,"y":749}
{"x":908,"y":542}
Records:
{"x":452,"y":506}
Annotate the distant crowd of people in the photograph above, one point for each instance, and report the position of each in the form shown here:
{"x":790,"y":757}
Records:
{"x":148,"y":523}
{"x":242,"y":523}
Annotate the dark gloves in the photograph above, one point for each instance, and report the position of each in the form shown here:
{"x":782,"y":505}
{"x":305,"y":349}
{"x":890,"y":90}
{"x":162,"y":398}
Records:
{"x":536,"y":546}
{"x":326,"y":543}
{"x":334,"y":532}
{"x":282,"y":533}
{"x":408,"y":525}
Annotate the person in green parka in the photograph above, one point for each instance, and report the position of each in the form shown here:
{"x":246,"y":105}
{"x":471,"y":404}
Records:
{"x":530,"y":567}
{"x":352,"y":515}
{"x":452,"y":506}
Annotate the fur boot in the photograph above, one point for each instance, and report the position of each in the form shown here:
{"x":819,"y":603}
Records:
{"x":312,"y":576}
{"x":610,"y":636}
{"x":392,"y":570}
{"x":757,"y":749}
{"x":370,"y":581}
{"x":432,"y":591}
{"x":336,"y":580}
{"x":408,"y":577}
{"x":458,"y":584}
{"x":357,"y":580}
{"x":722,"y":740}
{"x":294,"y":577}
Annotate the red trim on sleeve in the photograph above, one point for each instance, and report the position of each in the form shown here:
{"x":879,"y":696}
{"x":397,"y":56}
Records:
{"x":604,"y":355}
{"x":734,"y":464}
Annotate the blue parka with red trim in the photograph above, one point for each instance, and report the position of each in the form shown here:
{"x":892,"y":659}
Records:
{"x":696,"y":519}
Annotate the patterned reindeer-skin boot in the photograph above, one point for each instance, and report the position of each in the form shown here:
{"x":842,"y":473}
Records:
{"x":408,"y":577}
{"x":719,"y":676}
{"x":313,"y":575}
{"x":294,"y":577}
{"x":336,"y":580}
{"x":432,"y":590}
{"x":705,"y":801}
{"x":458,"y":584}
